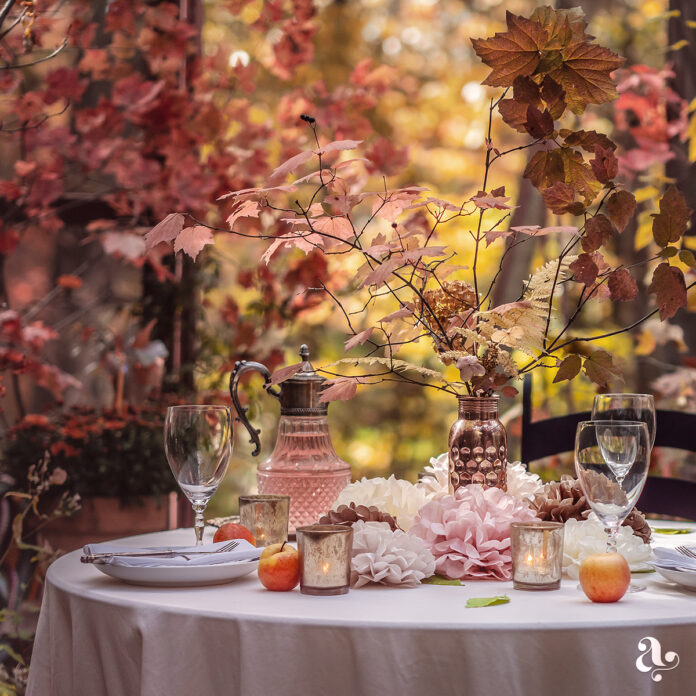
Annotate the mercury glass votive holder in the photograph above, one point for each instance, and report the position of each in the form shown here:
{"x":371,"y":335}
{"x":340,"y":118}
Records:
{"x":325,"y":552}
{"x":537,"y":555}
{"x":266,"y":517}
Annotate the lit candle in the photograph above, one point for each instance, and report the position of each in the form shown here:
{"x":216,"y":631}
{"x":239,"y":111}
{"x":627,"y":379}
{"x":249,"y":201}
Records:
{"x":537,"y":555}
{"x":266,"y":517}
{"x":325,"y":553}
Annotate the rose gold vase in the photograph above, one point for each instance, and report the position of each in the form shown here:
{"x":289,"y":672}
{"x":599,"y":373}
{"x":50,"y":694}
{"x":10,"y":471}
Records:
{"x":478,"y":445}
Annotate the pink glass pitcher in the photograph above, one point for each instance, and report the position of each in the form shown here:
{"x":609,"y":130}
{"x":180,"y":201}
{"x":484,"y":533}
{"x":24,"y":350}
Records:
{"x":303,"y":464}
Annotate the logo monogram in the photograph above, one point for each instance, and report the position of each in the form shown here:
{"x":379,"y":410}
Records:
{"x":652,"y":650}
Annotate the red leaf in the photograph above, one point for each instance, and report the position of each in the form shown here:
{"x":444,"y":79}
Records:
{"x":597,"y":230}
{"x":559,"y":198}
{"x":623,"y":286}
{"x":600,"y":368}
{"x":165,"y":231}
{"x":621,"y":206}
{"x":604,"y":165}
{"x":509,"y":391}
{"x":359,"y":338}
{"x":585,"y":269}
{"x":669,"y":288}
{"x":245,"y":209}
{"x":485,"y":201}
{"x":335,"y":228}
{"x":340,"y":389}
{"x":192,"y":240}
{"x":587,"y":140}
{"x":398,"y":314}
{"x":539,"y":124}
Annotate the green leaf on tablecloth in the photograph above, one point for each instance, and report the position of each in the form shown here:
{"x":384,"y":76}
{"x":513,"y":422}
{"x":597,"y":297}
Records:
{"x":475,"y":602}
{"x":671,"y":530}
{"x":441,"y":580}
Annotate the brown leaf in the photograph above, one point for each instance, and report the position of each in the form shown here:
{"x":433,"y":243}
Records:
{"x":568,"y":369}
{"x":579,"y":174}
{"x":585,"y":74}
{"x":525,"y":94}
{"x":485,"y":201}
{"x":545,"y":168}
{"x":604,"y":165}
{"x":687,"y":257}
{"x":559,"y":197}
{"x":284,"y":373}
{"x":539,"y":124}
{"x":291,"y":165}
{"x":165,"y":231}
{"x":600,"y":368}
{"x":585,"y":269}
{"x":359,"y":338}
{"x":623,"y":286}
{"x":670,"y":223}
{"x":621,"y":205}
{"x":340,"y":389}
{"x":587,"y":140}
{"x":597,"y":230}
{"x":669,"y":288}
{"x":512,"y":53}
{"x":192,"y":240}
{"x":554,"y":96}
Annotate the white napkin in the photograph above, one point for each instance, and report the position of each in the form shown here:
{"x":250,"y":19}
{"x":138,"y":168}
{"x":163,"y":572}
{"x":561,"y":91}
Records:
{"x":671,"y":559}
{"x":243,"y":552}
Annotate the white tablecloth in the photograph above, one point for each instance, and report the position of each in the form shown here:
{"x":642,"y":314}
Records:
{"x":97,"y":637}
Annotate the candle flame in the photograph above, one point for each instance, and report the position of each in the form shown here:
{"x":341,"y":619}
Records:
{"x":325,"y":568}
{"x":530,"y":558}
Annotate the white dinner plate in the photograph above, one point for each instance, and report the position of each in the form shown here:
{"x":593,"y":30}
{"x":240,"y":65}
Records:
{"x":180,"y":576}
{"x":685,"y":578}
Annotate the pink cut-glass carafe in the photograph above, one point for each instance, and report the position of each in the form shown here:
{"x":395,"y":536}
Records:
{"x":303,"y":464}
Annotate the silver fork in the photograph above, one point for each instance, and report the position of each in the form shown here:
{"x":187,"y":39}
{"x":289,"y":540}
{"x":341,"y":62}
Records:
{"x":686,"y":551}
{"x":97,"y":557}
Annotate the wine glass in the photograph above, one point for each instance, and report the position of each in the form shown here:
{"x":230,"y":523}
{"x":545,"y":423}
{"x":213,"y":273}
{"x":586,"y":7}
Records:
{"x":611,"y":460}
{"x":627,"y":407}
{"x":198,"y":445}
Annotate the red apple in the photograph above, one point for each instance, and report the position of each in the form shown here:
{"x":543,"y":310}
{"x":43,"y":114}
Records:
{"x":279,"y":567}
{"x":605,"y":577}
{"x":230,"y":530}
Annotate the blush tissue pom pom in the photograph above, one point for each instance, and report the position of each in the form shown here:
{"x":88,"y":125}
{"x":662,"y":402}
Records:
{"x":469,"y":533}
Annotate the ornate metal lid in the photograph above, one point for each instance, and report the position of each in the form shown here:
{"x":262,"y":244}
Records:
{"x":299,"y":394}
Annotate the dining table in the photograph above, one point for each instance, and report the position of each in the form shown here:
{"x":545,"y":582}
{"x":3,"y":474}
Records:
{"x":98,"y":636}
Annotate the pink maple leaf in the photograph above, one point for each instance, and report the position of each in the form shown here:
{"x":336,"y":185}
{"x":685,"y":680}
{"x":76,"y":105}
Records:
{"x":165,"y":231}
{"x":192,"y":240}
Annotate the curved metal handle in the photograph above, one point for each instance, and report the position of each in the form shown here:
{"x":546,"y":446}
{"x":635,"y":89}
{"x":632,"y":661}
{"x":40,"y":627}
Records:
{"x":239,"y":369}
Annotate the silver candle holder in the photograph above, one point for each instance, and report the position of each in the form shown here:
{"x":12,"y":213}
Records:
{"x":537,"y":555}
{"x":325,"y":553}
{"x":266,"y":517}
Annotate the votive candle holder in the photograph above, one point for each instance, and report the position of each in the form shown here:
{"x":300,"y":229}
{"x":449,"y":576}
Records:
{"x":325,"y":553}
{"x":266,"y":517}
{"x":537,"y":555}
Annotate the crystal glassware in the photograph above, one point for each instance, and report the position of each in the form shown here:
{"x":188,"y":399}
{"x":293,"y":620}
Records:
{"x":266,"y":517}
{"x":537,"y":555}
{"x":611,"y":461}
{"x":627,"y":407}
{"x":198,"y":445}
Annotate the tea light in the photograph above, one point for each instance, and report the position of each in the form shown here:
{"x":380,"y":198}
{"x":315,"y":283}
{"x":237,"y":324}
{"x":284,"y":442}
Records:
{"x":537,"y":555}
{"x":266,"y":517}
{"x":325,"y":552}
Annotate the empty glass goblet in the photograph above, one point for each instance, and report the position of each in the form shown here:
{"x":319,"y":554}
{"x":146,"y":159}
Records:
{"x":627,"y":407}
{"x":611,"y":461}
{"x":198,"y":445}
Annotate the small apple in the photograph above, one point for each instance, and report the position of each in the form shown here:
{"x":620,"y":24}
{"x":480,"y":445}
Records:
{"x":605,"y":577}
{"x":279,"y":567}
{"x":230,"y":530}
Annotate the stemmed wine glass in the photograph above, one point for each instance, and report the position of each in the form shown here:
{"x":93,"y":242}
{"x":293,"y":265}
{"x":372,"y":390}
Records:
{"x":198,"y":445}
{"x":627,"y":407}
{"x":611,"y":460}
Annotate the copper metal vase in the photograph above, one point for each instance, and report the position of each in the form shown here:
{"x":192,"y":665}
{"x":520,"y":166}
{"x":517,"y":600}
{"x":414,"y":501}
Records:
{"x":478,"y":445}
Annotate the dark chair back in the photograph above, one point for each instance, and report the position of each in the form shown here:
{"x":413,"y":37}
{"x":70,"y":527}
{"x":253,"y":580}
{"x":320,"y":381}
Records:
{"x":662,"y":496}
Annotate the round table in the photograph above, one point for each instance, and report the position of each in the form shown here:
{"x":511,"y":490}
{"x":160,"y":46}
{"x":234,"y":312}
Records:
{"x":97,"y":636}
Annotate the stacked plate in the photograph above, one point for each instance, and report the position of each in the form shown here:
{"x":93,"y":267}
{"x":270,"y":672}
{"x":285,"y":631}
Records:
{"x":676,"y":566}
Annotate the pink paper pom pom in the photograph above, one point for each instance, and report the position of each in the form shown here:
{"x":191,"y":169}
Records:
{"x":469,"y":533}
